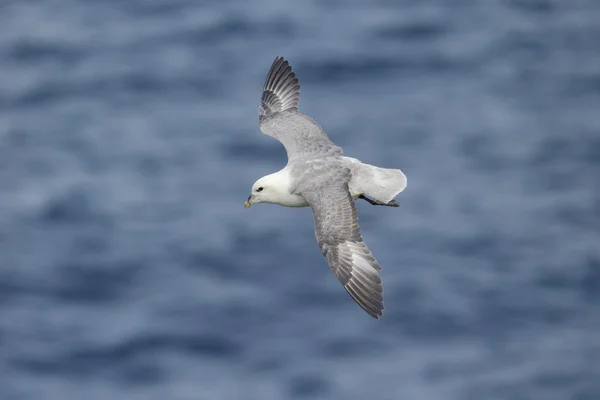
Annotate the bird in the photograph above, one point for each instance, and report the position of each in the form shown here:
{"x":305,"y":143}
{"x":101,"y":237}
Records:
{"x":320,"y":176}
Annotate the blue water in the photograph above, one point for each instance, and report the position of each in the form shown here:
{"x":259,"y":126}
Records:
{"x":129,"y":140}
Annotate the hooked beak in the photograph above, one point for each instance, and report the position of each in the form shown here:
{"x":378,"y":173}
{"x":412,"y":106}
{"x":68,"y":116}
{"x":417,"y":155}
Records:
{"x":249,"y":202}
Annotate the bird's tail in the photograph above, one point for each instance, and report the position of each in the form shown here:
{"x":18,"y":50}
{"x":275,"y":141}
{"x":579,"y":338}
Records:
{"x":384,"y":183}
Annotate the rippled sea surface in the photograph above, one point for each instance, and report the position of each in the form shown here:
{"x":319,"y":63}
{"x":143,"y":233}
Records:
{"x":129,"y":140}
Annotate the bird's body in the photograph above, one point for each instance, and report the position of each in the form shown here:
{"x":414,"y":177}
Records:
{"x":319,"y":175}
{"x":357,"y":185}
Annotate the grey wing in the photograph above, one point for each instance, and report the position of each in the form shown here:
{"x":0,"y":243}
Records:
{"x":279,"y":116}
{"x":338,"y":235}
{"x":281,"y":91}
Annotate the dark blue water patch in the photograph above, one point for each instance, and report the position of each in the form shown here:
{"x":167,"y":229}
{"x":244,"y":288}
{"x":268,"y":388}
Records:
{"x":498,"y":314}
{"x":590,"y":282}
{"x":309,"y":296}
{"x":563,"y":280}
{"x":141,"y":373}
{"x":98,"y":282}
{"x":405,"y":296}
{"x":412,"y":31}
{"x":90,"y":243}
{"x":542,"y":7}
{"x":504,"y":390}
{"x":133,"y":84}
{"x":72,"y":207}
{"x":595,"y":207}
{"x":150,"y":166}
{"x":591,"y":152}
{"x":9,"y":289}
{"x":415,"y":136}
{"x":432,"y":326}
{"x":17,"y":138}
{"x":90,"y":360}
{"x":445,"y":370}
{"x":247,"y":258}
{"x":405,"y":316}
{"x":220,"y":264}
{"x":477,"y":245}
{"x":140,"y":9}
{"x":561,"y":380}
{"x":552,"y":180}
{"x":268,"y":364}
{"x":494,"y":316}
{"x":556,"y":149}
{"x":200,"y":344}
{"x":44,"y":94}
{"x":574,"y":215}
{"x":309,"y":385}
{"x":371,"y":68}
{"x":253,"y":150}
{"x":27,"y":52}
{"x":232,"y":27}
{"x":245,"y":320}
{"x":485,"y":244}
{"x":351,"y":347}
{"x":246,"y":242}
{"x":581,"y":85}
{"x":480,"y":152}
{"x":561,"y":163}
{"x":148,"y":84}
{"x":587,"y":391}
{"x":528,"y":47}
{"x":235,"y":27}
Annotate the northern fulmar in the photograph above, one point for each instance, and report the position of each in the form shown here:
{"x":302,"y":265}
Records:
{"x":318,"y":175}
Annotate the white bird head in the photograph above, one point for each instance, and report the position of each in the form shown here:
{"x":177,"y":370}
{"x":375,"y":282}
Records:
{"x":268,"y":189}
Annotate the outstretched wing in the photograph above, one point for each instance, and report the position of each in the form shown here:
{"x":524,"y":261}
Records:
{"x":279,"y":116}
{"x":281,"y":91}
{"x":338,"y":234}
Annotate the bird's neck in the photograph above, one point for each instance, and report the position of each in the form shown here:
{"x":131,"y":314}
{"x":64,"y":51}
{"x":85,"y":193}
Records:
{"x":282,"y":181}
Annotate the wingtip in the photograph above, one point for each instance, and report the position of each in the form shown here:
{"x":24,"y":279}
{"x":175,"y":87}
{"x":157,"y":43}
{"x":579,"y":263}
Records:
{"x":375,"y":315}
{"x":379,"y":314}
{"x":281,"y":90}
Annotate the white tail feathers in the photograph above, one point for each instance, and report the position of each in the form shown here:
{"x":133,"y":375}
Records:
{"x":386,"y":185}
{"x":382,"y":184}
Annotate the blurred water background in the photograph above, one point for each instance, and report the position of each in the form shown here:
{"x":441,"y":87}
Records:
{"x":129,"y":140}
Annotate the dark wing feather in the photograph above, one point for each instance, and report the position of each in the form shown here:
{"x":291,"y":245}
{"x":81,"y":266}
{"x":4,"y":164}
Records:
{"x":279,"y":116}
{"x":338,"y":235}
{"x":281,"y":91}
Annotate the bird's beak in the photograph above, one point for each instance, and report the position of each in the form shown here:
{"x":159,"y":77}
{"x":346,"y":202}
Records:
{"x":249,"y":202}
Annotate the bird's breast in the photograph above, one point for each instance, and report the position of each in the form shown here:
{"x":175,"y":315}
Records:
{"x":294,"y":200}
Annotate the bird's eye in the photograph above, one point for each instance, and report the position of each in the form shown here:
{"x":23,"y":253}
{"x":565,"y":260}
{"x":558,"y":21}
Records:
{"x":260,"y":189}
